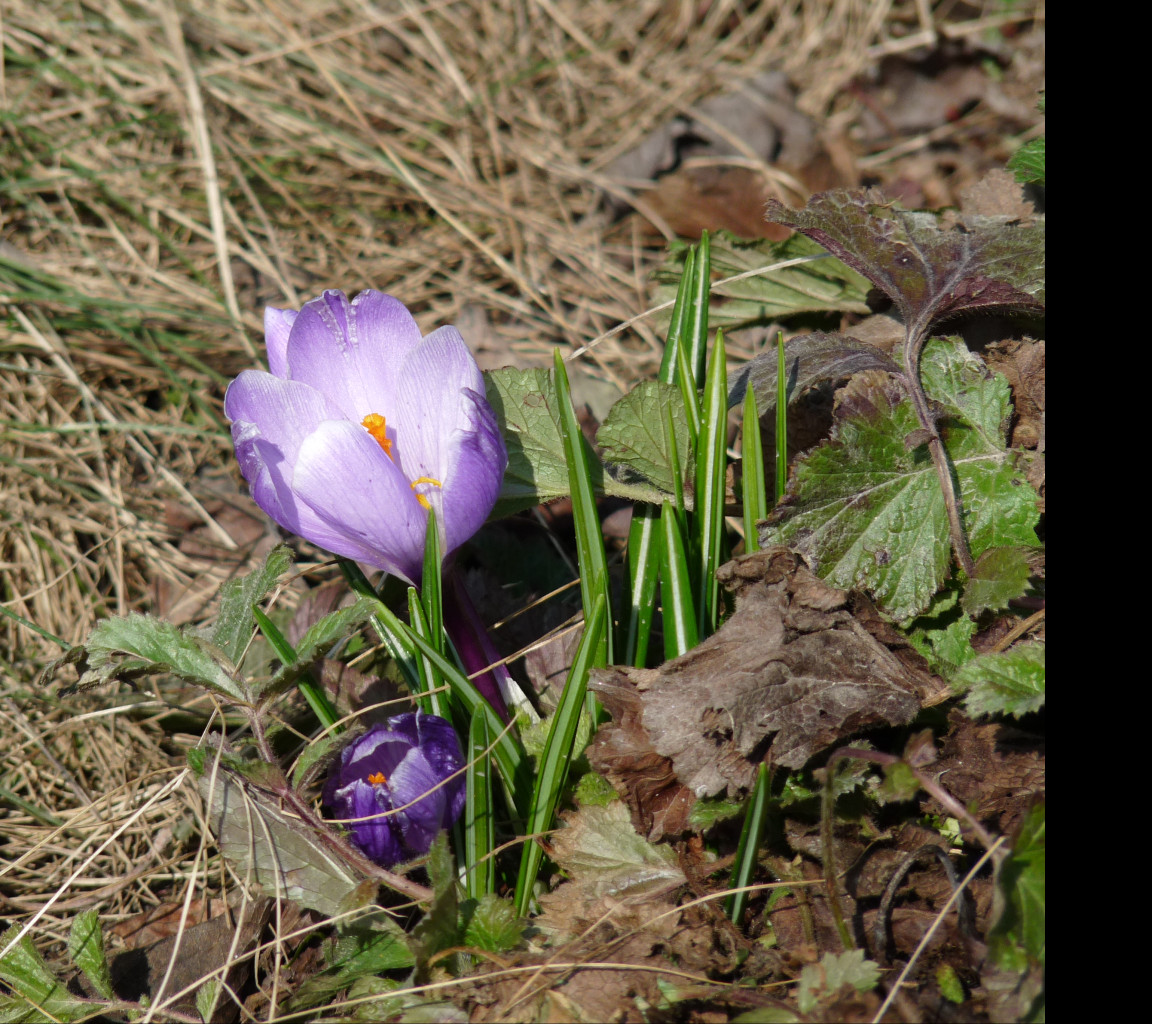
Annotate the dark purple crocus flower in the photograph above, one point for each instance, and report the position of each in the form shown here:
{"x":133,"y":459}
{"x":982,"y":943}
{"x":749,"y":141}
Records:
{"x":391,"y":765}
{"x":362,"y":426}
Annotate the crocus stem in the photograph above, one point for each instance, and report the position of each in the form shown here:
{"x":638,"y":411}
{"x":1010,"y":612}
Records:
{"x":470,"y":638}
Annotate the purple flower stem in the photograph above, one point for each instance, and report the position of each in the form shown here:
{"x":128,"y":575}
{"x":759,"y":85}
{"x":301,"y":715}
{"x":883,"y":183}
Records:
{"x":468,"y":634}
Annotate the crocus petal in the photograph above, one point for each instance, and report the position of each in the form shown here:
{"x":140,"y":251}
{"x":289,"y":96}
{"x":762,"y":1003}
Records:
{"x":277,"y":326}
{"x":427,"y":408}
{"x":380,"y":837}
{"x":419,"y":822}
{"x":343,"y":475}
{"x":351,"y":351}
{"x":284,"y":411}
{"x":476,"y":463}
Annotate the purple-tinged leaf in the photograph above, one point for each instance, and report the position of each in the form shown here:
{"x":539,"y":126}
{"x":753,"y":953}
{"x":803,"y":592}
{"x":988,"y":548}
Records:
{"x":931,"y":267}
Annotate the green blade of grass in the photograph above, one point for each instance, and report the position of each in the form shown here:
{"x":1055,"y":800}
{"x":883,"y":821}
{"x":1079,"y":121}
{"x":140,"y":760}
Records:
{"x":696,"y":331}
{"x":479,"y":820}
{"x":781,"y":419}
{"x":431,"y":697}
{"x":582,"y":462}
{"x":317,"y":699}
{"x":675,"y":587}
{"x":643,"y":575}
{"x":557,"y":753}
{"x":752,"y":472}
{"x":431,"y":593}
{"x":711,"y":466}
{"x":748,"y":849}
{"x":644,"y":533}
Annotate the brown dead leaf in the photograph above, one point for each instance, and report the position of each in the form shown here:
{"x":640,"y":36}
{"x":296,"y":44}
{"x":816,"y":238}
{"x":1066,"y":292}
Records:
{"x":790,"y":674}
{"x":194,"y":955}
{"x":997,"y":194}
{"x":1022,"y":362}
{"x":994,"y":769}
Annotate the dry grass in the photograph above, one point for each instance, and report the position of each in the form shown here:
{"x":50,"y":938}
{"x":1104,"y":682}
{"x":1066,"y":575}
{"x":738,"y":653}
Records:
{"x":168,"y":170}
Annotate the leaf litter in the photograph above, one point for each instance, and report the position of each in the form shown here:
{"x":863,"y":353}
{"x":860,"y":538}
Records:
{"x":70,"y":779}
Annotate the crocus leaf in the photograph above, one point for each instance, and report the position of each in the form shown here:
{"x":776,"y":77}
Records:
{"x":526,"y":410}
{"x":928,"y":266}
{"x":633,"y":438}
{"x":865,"y":508}
{"x":809,"y":359}
{"x":493,"y":924}
{"x":818,"y":286}
{"x":1001,"y":575}
{"x":130,"y":646}
{"x":86,"y":947}
{"x":1018,"y":933}
{"x":271,"y":848}
{"x":1011,"y":682}
{"x":234,"y":623}
{"x":318,"y":640}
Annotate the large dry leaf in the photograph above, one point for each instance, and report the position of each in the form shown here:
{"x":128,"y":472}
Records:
{"x":793,"y":672}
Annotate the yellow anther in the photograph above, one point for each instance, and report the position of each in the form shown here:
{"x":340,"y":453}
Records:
{"x":377,"y":779}
{"x":375,"y":425}
{"x":420,"y":497}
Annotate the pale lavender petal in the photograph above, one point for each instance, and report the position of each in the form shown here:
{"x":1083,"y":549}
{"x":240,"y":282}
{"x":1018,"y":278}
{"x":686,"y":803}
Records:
{"x":476,"y":463}
{"x":348,"y":481}
{"x":277,"y":326}
{"x":352,"y":352}
{"x":284,"y":411}
{"x":428,"y":407}
{"x":407,"y":726}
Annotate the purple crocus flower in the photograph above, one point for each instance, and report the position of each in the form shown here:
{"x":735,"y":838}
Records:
{"x":362,"y":426}
{"x":391,"y":765}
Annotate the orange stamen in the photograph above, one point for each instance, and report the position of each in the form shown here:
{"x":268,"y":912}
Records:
{"x":375,"y":425}
{"x":377,"y":779}
{"x":420,"y":497}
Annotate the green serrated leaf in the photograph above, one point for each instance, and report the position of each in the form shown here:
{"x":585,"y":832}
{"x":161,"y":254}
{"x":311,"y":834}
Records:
{"x":526,"y":410}
{"x":602,"y":851}
{"x":1018,"y":932}
{"x":494,"y":925}
{"x":86,"y":947}
{"x":709,"y":810}
{"x":867,"y":510}
{"x":365,"y":949}
{"x":439,"y":928}
{"x":1010,"y":683}
{"x":234,"y":623}
{"x":136,"y":645}
{"x":318,"y":640}
{"x":1028,"y":162}
{"x":817,"y":286}
{"x":271,"y":848}
{"x":823,"y":980}
{"x":1001,"y":575}
{"x":314,"y":754}
{"x":39,"y":993}
{"x":593,"y":790}
{"x":900,"y":783}
{"x":207,"y":996}
{"x":634,"y":434}
{"x":943,"y":633}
